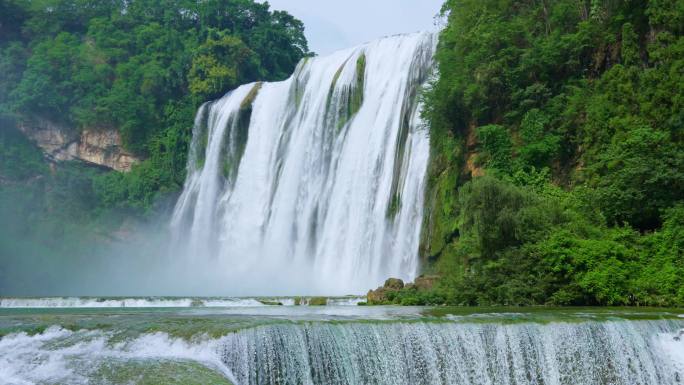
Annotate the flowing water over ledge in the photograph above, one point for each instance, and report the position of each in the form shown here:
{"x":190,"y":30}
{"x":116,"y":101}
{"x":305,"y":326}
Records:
{"x":313,"y":184}
{"x":170,"y":302}
{"x":341,"y":345}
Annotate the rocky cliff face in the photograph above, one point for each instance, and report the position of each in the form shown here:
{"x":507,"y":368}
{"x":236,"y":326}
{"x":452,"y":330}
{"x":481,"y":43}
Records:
{"x":99,"y":147}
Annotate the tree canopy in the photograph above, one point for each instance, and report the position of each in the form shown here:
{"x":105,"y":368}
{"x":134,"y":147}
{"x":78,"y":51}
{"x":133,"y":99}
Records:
{"x":141,"y":67}
{"x":572,"y":110}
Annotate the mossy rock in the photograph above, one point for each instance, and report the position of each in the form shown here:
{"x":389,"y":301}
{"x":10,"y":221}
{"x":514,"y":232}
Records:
{"x":271,"y":303}
{"x":425,"y":282}
{"x":318,"y":301}
{"x":251,"y":95}
{"x":377,"y":296}
{"x":394,"y":284}
{"x":382,"y":294}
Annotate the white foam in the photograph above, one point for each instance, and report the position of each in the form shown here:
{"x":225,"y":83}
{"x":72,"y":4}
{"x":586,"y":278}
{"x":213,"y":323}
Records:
{"x":89,"y":302}
{"x":672,"y":344}
{"x":84,"y":302}
{"x":61,"y":356}
{"x":392,"y":353}
{"x":236,"y":302}
{"x":345,"y":301}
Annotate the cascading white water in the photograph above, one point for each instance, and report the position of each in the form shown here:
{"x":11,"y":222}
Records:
{"x":616,"y":352}
{"x":313,"y":184}
{"x":586,"y":353}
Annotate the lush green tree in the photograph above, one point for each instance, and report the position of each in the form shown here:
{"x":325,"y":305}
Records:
{"x":141,"y":67}
{"x":661,"y":269}
{"x":573,"y":111}
{"x":221,"y":62}
{"x":640,"y":174}
{"x":496,"y":146}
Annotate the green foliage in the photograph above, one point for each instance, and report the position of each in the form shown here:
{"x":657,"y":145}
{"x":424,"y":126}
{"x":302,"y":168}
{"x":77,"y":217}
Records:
{"x":19,"y":158}
{"x":496,"y":146}
{"x":12,"y":63}
{"x":538,"y":147}
{"x":351,"y":96}
{"x":573,"y":111}
{"x":222,"y":62}
{"x":662,"y":263}
{"x":141,"y":67}
{"x":357,"y":91}
{"x":524,"y":244}
{"x":412,"y":296}
{"x":640,"y":174}
{"x":162,"y":173}
{"x":64,"y":191}
{"x":47,"y":86}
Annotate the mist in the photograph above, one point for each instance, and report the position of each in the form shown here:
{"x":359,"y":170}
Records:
{"x":137,"y":260}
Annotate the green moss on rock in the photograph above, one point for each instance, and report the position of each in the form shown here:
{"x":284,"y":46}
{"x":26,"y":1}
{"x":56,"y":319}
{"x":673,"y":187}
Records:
{"x":251,"y":96}
{"x":318,"y":301}
{"x":271,"y":303}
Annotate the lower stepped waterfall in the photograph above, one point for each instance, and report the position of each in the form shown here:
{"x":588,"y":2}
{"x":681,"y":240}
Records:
{"x":484,"y":350}
{"x":313,"y":184}
{"x":415,"y":353}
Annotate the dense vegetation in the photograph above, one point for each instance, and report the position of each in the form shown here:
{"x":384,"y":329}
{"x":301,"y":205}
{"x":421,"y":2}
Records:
{"x":557,"y":129}
{"x":141,"y":67}
{"x":557,"y":174}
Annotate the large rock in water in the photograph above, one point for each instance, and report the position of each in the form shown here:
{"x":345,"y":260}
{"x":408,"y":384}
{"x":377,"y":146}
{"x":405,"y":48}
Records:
{"x":379,"y":295}
{"x":98,"y":147}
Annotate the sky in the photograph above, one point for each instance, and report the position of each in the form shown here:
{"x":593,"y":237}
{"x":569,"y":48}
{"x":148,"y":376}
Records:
{"x":336,"y":24}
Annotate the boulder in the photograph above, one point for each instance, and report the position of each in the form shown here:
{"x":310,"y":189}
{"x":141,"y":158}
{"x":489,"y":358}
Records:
{"x":376,"y":296}
{"x":394,"y":284}
{"x":379,"y":295}
{"x":425,"y":282}
{"x":318,"y":301}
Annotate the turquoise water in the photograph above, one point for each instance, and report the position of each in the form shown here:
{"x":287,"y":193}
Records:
{"x":339,"y":344}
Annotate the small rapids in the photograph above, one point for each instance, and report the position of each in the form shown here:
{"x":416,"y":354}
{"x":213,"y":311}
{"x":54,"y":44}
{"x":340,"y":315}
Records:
{"x":161,"y":302}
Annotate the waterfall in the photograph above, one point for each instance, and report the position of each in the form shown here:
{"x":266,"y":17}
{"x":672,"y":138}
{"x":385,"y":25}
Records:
{"x":586,"y":353}
{"x":313,"y":184}
{"x":269,"y":351}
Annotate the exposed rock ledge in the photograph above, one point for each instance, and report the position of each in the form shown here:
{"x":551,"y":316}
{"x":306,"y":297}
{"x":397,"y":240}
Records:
{"x":99,"y":147}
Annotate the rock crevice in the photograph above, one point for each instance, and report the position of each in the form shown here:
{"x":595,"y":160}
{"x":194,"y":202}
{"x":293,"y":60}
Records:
{"x":100,"y":147}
